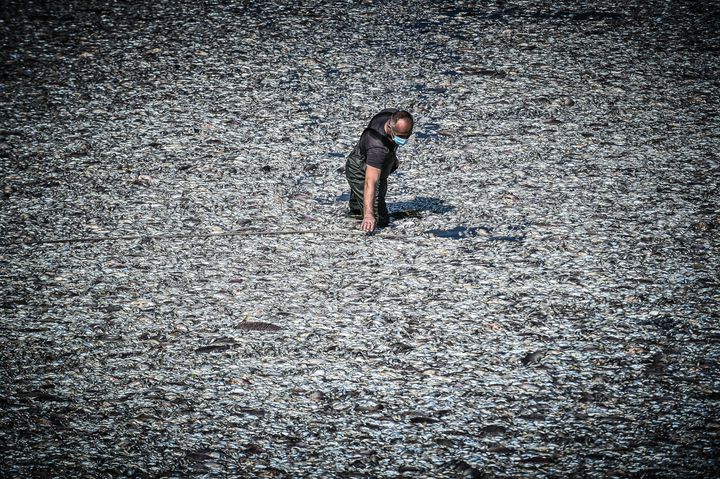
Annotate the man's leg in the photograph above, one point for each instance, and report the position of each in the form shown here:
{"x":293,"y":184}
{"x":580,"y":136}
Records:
{"x":356,"y":201}
{"x":356,"y":179}
{"x":381,"y":211}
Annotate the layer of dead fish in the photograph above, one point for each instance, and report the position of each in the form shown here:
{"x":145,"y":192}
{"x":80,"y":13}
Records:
{"x":544,"y":303}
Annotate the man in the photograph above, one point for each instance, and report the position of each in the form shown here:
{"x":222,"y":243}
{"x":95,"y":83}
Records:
{"x":371,"y":162}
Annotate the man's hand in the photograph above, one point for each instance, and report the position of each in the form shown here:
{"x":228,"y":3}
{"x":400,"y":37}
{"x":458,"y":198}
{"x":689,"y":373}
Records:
{"x":368,"y":224}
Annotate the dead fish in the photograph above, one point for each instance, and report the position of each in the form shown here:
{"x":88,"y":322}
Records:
{"x":317,"y":396}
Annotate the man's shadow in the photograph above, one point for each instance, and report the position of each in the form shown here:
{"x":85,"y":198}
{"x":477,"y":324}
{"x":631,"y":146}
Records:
{"x":415,"y":208}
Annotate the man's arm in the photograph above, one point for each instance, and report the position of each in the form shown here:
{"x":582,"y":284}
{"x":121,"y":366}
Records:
{"x":372,"y":176}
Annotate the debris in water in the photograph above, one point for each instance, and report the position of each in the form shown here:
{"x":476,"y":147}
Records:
{"x":570,"y":332}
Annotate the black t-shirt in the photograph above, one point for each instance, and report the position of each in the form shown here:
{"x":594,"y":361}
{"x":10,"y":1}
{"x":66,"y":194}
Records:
{"x":375,"y":146}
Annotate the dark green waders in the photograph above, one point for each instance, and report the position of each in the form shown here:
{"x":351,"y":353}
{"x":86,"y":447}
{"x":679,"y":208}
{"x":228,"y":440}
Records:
{"x":355,"y":174}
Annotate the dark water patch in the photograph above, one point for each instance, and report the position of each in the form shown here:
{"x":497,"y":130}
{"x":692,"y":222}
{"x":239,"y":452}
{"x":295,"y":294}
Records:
{"x":204,"y":454}
{"x":532,"y":417}
{"x":516,"y":239}
{"x":430,"y":130}
{"x":5,"y":134}
{"x":465,"y":470}
{"x":335,"y":154}
{"x":518,"y":227}
{"x":400,"y":215}
{"x":709,"y":396}
{"x":214,"y":348}
{"x":407,"y":470}
{"x":451,"y":73}
{"x":532,"y":357}
{"x":421,"y":204}
{"x":662,"y":322}
{"x":501,"y":450}
{"x":482,"y":71}
{"x":456,"y":233}
{"x":32,"y":330}
{"x":125,"y":354}
{"x":538,"y":460}
{"x":423,"y":420}
{"x":41,"y":396}
{"x":451,"y":10}
{"x":492,"y":430}
{"x":422,"y":88}
{"x":258,"y":326}
{"x":252,"y":411}
{"x":476,"y":71}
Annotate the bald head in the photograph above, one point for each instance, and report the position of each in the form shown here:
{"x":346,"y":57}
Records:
{"x":401,"y":123}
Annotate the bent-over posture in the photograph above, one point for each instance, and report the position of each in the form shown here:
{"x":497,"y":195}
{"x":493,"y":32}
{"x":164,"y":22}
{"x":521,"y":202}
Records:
{"x":371,"y":162}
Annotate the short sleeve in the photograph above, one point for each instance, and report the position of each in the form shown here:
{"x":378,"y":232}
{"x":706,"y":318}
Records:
{"x":376,"y":156}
